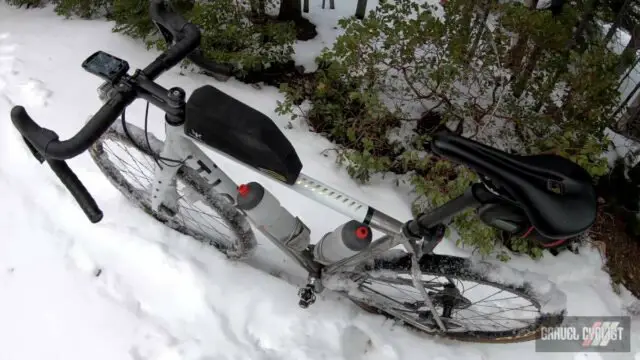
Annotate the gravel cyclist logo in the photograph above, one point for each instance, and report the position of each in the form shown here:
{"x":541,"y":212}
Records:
{"x":601,"y":333}
{"x":587,"y":334}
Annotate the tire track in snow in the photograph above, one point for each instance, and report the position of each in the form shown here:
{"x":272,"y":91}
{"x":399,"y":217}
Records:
{"x":148,"y":273}
{"x":15,"y":88}
{"x":182,"y":324}
{"x":170,"y":331}
{"x":7,"y":61}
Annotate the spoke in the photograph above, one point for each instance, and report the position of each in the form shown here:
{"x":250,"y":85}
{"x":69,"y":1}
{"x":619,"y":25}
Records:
{"x":405,"y":293}
{"x":483,"y":315}
{"x":384,"y":296}
{"x":518,"y":308}
{"x":499,"y":291}
{"x":137,"y":169}
{"x":473,"y":286}
{"x":467,"y":318}
{"x":129,"y":153}
{"x":489,"y":314}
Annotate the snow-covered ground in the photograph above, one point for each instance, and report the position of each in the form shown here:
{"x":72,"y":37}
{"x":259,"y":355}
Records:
{"x":128,"y":288}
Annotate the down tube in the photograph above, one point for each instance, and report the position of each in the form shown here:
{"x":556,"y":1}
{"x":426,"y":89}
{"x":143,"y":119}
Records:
{"x":346,"y":205}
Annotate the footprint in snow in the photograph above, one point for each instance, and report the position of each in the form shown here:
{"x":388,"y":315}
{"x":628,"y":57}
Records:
{"x":14,"y":89}
{"x":357,"y":344}
{"x":35,"y":93}
{"x":7,"y":67}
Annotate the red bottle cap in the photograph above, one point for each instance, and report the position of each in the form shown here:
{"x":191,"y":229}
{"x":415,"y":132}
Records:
{"x":362,"y":232}
{"x":243,"y":190}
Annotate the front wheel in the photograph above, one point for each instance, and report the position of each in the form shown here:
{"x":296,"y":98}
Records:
{"x":128,"y":157}
{"x":477,"y":301}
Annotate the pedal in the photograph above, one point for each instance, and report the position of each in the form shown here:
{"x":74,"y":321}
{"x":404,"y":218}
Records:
{"x":307,"y":296}
{"x":308,"y":293}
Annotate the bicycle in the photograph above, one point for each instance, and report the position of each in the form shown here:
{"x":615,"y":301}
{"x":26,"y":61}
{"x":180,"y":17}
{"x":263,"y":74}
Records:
{"x":547,"y":194}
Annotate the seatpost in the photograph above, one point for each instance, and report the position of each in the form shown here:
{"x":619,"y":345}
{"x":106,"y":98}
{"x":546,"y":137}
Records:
{"x":476,"y":195}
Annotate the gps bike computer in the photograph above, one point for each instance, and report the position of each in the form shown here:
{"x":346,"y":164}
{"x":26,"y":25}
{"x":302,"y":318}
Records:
{"x":106,"y":66}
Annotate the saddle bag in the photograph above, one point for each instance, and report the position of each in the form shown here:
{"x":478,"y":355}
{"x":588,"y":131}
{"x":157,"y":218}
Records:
{"x":513,"y":223}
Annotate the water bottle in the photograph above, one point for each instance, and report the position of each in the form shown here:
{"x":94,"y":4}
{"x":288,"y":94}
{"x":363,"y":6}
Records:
{"x":347,"y":240}
{"x":268,"y":215}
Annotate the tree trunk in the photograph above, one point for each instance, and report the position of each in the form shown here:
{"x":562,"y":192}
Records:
{"x":480,"y":23}
{"x":467,"y":10}
{"x":257,"y":10}
{"x":629,"y":120}
{"x":332,"y":4}
{"x":577,"y":38}
{"x":628,"y":56}
{"x":361,"y":8}
{"x":306,"y":6}
{"x":584,"y":24}
{"x":581,"y":26}
{"x":523,"y":79}
{"x":518,"y":52}
{"x":612,"y":30}
{"x":290,"y":10}
{"x":616,"y":24}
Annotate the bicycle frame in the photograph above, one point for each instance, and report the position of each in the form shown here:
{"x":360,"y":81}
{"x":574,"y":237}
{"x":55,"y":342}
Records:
{"x":179,"y":145}
{"x":290,"y":235}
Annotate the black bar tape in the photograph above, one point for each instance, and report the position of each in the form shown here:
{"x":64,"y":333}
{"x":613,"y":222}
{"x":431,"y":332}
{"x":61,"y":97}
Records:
{"x":77,"y":189}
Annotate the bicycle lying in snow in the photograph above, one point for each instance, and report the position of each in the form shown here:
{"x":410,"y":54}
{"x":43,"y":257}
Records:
{"x":176,"y":183}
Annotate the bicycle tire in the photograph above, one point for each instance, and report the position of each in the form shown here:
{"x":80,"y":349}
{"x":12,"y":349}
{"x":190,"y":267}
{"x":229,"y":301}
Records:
{"x":242,"y":242}
{"x":479,"y":272}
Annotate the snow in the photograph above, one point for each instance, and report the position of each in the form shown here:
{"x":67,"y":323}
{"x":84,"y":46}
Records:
{"x":632,"y":77}
{"x":129,"y":288}
{"x":620,"y":147}
{"x":326,"y":25}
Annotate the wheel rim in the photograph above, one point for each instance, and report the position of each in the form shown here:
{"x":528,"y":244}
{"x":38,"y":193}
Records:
{"x":494,"y":310}
{"x":133,"y":170}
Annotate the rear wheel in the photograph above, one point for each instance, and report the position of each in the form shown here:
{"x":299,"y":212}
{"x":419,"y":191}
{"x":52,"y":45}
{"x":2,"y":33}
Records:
{"x":125,"y":158}
{"x":479,"y":302}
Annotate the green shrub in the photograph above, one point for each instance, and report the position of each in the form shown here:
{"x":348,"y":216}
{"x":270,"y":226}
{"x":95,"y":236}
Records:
{"x":27,"y":3}
{"x":230,"y":35}
{"x":230,"y":31}
{"x":132,"y":18}
{"x":347,"y":113}
{"x":402,"y":61}
{"x":86,"y":9}
{"x":441,"y":182}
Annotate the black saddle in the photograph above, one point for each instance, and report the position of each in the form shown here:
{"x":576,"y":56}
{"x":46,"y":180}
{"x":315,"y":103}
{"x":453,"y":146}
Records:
{"x":557,"y":194}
